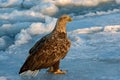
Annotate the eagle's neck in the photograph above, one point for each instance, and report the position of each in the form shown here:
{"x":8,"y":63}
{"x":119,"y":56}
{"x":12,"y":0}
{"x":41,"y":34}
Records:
{"x":60,"y":26}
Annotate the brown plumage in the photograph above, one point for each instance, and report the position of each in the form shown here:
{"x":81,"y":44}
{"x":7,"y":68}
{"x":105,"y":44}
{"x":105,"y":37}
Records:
{"x":50,"y":49}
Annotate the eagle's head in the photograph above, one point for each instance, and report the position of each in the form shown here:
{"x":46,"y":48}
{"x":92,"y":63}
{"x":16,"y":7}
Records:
{"x":61,"y":23}
{"x":65,"y":18}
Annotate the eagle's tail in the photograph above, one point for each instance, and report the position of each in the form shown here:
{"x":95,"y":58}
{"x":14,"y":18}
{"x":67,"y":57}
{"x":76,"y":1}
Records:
{"x":29,"y":73}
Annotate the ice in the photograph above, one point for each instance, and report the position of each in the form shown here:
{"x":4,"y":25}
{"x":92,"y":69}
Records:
{"x":5,"y":41}
{"x":31,"y":3}
{"x":3,"y":78}
{"x":10,"y":3}
{"x":3,"y":56}
{"x":23,"y":16}
{"x":22,"y":38}
{"x":46,"y":8}
{"x":35,"y":28}
{"x":98,"y":13}
{"x":94,"y":34}
{"x":12,"y":29}
{"x":115,"y":28}
{"x":2,"y":43}
{"x":88,"y":30}
{"x":79,"y":2}
{"x":117,"y":1}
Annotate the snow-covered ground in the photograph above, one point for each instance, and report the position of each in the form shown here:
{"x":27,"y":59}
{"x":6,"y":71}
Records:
{"x":94,"y":32}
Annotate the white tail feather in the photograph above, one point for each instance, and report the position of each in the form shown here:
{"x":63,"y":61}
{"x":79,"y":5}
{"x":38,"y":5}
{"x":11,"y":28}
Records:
{"x":29,"y":73}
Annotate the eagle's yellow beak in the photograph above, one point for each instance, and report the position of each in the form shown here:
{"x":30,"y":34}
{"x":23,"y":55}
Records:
{"x":70,"y":19}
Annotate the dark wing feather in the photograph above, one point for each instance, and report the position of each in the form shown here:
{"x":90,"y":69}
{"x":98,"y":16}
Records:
{"x":38,"y":45}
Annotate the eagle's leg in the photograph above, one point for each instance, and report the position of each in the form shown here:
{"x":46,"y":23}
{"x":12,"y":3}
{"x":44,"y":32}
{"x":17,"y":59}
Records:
{"x":56,"y":69}
{"x":50,"y":69}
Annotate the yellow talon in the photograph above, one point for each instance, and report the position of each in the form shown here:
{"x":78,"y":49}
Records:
{"x":59,"y":72}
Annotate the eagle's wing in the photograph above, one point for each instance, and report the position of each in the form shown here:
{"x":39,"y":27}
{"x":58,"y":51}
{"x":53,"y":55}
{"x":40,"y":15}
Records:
{"x":45,"y":53}
{"x":37,"y":45}
{"x":42,"y":58}
{"x":34,"y":53}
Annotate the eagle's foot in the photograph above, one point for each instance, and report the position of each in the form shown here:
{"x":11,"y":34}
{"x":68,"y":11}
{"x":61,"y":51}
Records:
{"x":59,"y":72}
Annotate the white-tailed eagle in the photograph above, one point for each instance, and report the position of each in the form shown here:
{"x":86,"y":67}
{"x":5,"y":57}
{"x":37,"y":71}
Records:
{"x":49,"y":50}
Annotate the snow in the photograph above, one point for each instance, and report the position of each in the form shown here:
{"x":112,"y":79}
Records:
{"x":80,"y":2}
{"x":94,"y":33}
{"x":30,"y":3}
{"x":117,"y":1}
{"x":46,"y":8}
{"x":10,"y":3}
{"x":3,"y":78}
{"x":97,"y":13}
{"x":5,"y":42}
{"x":115,"y":28}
